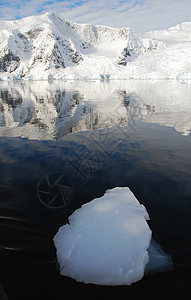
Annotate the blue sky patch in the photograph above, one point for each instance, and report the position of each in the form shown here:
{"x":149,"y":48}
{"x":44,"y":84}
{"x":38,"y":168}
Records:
{"x":140,"y":15}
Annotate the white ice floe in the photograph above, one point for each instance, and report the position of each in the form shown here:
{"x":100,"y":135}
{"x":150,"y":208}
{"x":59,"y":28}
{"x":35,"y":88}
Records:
{"x":106,"y":241}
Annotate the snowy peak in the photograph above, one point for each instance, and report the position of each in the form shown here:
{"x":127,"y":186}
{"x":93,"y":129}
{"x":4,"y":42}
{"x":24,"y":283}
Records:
{"x":51,"y":47}
{"x":36,"y":41}
{"x":178,"y":33}
{"x":51,"y":42}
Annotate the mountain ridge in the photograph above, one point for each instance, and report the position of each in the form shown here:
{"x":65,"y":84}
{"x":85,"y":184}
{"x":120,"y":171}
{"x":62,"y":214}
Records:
{"x":51,"y":47}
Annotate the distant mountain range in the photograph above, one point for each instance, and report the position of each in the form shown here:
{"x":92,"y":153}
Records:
{"x":50,"y":47}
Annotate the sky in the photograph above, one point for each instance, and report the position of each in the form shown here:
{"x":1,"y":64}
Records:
{"x":139,"y":15}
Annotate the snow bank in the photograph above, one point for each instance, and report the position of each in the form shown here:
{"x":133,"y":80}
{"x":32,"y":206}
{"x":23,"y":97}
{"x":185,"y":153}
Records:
{"x":106,"y":242}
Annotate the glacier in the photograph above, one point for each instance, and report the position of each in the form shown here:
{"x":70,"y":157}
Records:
{"x":48,"y":47}
{"x":108,"y":242}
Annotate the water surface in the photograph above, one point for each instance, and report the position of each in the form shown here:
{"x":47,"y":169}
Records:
{"x":64,"y":143}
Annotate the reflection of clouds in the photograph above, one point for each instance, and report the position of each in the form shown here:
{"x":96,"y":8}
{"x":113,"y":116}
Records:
{"x":42,"y":110}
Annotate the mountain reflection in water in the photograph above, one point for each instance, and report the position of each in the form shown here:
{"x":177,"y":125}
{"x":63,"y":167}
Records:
{"x":43,"y":110}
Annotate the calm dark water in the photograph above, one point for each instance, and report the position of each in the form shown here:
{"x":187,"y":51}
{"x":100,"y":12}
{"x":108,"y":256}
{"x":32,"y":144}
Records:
{"x":43,"y":181}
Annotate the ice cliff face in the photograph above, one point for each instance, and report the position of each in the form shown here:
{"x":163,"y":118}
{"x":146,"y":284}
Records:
{"x":50,"y":47}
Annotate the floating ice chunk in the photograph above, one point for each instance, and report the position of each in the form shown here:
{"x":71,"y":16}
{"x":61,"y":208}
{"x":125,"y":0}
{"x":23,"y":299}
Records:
{"x":107,"y":240}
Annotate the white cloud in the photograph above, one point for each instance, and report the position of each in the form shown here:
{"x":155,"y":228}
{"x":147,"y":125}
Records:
{"x":140,"y":15}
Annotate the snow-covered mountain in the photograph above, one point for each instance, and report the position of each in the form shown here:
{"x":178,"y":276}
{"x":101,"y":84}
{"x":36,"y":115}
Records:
{"x":50,"y":47}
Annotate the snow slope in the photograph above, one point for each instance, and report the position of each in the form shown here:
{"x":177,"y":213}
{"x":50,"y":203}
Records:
{"x":50,"y":47}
